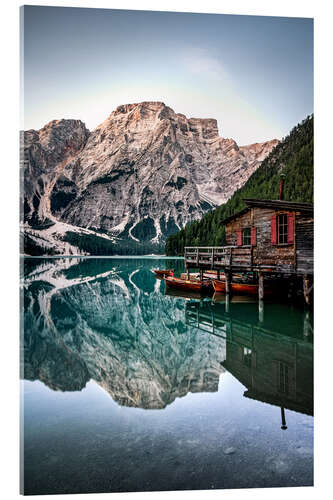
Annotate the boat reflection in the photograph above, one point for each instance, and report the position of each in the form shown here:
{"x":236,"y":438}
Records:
{"x":171,"y":292}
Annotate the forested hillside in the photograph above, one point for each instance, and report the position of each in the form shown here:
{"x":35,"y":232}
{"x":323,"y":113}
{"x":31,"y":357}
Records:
{"x":293,"y":156}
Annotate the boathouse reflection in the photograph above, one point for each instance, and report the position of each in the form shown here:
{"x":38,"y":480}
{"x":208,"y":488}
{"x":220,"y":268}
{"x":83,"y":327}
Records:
{"x":271,"y":354}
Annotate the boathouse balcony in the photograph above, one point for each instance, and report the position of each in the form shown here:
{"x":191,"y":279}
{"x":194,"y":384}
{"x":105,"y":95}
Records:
{"x":219,"y":257}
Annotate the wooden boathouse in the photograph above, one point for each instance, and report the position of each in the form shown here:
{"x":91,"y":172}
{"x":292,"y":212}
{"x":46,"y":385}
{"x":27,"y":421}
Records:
{"x":268,"y":237}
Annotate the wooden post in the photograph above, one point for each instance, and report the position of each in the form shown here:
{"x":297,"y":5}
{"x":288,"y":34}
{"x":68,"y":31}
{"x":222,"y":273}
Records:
{"x":306,"y":325}
{"x":212,"y":265}
{"x":201,"y":274}
{"x":261,"y":311}
{"x":188,"y":272}
{"x":218,"y":274}
{"x":261,"y":285}
{"x":227,"y":302}
{"x":290,"y":289}
{"x":227,"y":282}
{"x":213,"y":321}
{"x":306,"y":289}
{"x":283,"y":420}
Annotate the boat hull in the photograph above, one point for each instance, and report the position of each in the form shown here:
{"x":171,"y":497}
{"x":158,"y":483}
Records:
{"x":160,"y":273}
{"x":246,"y":288}
{"x":180,"y":284}
{"x":240,"y":288}
{"x":219,"y":286}
{"x":189,"y":285}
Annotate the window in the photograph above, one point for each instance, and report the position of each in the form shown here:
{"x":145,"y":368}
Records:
{"x":246,"y":236}
{"x":247,"y":356}
{"x":282,"y":228}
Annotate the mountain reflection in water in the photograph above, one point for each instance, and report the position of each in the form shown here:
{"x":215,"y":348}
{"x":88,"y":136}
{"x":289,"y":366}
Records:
{"x":89,"y":320}
{"x":245,"y":368}
{"x":93,"y":321}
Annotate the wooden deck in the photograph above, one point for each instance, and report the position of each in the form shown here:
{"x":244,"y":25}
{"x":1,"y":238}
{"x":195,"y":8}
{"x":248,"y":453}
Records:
{"x":246,"y":259}
{"x":234,"y":258}
{"x":219,"y":258}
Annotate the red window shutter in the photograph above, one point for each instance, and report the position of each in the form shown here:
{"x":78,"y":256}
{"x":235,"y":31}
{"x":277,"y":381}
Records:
{"x":239,"y":238}
{"x":273,"y":230}
{"x":291,"y":224}
{"x":253,"y":236}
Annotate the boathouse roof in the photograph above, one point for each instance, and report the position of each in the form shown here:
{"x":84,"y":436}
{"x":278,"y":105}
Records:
{"x":277,"y":204}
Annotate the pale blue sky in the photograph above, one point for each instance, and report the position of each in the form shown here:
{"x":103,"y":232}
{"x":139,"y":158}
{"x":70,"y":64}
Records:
{"x":253,"y":74}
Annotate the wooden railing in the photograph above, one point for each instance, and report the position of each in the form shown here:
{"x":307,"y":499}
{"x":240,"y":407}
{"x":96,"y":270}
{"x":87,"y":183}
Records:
{"x":219,"y":257}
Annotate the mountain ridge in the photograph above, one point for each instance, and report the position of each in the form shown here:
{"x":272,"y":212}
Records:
{"x":139,"y":176}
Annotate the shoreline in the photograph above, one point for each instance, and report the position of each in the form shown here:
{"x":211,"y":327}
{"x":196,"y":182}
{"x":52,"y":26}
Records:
{"x":147,"y":256}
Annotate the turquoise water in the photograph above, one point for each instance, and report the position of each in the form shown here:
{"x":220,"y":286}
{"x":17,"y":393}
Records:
{"x":127,"y":388}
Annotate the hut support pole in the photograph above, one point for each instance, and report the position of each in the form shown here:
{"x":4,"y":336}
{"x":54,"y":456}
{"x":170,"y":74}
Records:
{"x":227,"y":302}
{"x":201,"y":274}
{"x":290,"y":289}
{"x":306,"y":289}
{"x":188,"y":273}
{"x":261,"y":285}
{"x":261,"y":311}
{"x":306,"y":325}
{"x":227,"y":282}
{"x":218,"y":274}
{"x":283,"y":420}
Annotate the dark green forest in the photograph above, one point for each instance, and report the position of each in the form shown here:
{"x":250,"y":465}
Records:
{"x":293,"y":156}
{"x":91,"y":244}
{"x":96,"y":245}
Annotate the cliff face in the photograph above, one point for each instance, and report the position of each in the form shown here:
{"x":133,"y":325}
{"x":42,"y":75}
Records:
{"x":142,"y":174}
{"x":93,"y":320}
{"x":46,"y":152}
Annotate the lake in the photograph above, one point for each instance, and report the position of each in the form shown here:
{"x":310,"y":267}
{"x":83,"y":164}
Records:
{"x":128,"y":388}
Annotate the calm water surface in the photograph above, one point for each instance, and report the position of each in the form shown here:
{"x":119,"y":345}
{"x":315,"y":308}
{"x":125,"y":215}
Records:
{"x":127,"y":388}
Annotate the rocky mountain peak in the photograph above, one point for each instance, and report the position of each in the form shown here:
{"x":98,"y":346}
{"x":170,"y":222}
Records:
{"x":142,"y":174}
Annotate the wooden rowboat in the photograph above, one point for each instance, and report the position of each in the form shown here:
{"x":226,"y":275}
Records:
{"x":247,"y":288}
{"x":189,"y":285}
{"x":160,"y":273}
{"x":219,"y":286}
{"x":239,"y":288}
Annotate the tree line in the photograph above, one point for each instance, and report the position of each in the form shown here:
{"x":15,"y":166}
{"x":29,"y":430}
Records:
{"x":293,"y":156}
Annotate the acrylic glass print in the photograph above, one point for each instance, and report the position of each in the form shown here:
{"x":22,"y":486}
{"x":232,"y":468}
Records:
{"x":167,"y":251}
